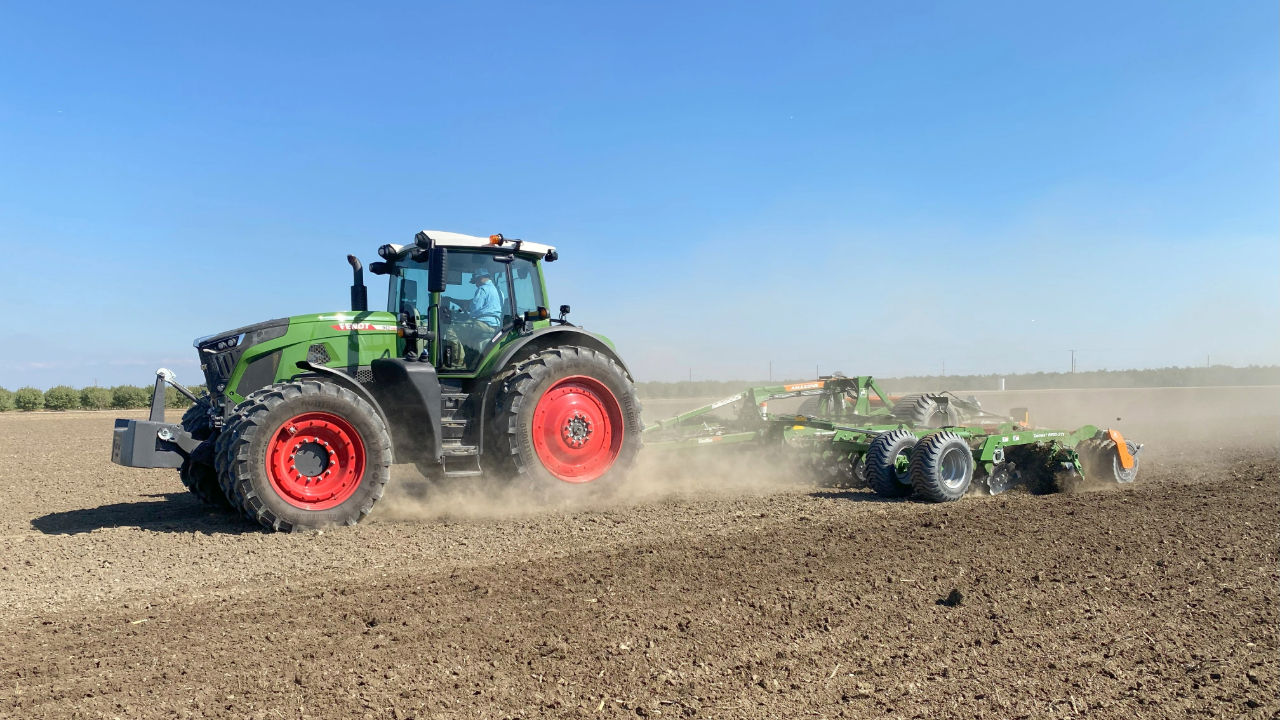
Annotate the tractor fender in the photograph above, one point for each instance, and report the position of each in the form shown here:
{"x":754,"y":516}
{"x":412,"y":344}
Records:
{"x":410,"y":392}
{"x":350,"y":383}
{"x":406,"y":395}
{"x":549,"y":337}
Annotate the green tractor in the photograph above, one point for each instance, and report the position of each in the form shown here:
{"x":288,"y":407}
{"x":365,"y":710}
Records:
{"x":465,"y":373}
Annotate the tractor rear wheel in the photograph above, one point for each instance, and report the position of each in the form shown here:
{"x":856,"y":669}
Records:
{"x":941,"y":467}
{"x":887,"y":463}
{"x":567,"y":423}
{"x":304,"y":456}
{"x":201,"y":479}
{"x":923,"y":410}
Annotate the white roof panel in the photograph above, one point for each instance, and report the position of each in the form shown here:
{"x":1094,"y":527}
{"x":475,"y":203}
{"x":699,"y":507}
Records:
{"x":451,"y":239}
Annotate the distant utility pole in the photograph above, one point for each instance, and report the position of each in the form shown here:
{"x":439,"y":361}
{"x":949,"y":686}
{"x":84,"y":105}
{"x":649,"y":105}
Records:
{"x":770,"y":371}
{"x":944,"y":368}
{"x":816,"y":374}
{"x":1073,"y":361}
{"x":1206,"y":361}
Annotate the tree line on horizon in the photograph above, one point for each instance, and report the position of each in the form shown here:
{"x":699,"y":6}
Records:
{"x":65,"y":397}
{"x":132,"y":397}
{"x":1213,"y":376}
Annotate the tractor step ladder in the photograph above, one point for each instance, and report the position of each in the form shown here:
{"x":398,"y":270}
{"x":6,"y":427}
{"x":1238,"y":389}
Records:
{"x":459,"y":460}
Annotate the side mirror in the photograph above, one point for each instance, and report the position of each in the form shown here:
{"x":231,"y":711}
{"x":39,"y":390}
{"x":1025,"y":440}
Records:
{"x":438,"y":273}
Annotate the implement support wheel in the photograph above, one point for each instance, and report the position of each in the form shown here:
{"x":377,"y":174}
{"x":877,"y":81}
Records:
{"x":888,"y":462}
{"x":941,"y":467}
{"x":1100,"y":457}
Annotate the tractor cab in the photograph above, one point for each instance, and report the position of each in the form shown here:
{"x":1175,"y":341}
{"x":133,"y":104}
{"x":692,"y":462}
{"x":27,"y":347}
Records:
{"x":488,"y":293}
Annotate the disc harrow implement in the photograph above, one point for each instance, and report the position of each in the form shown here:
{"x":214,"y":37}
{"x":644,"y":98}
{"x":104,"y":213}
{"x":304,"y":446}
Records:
{"x":936,"y":447}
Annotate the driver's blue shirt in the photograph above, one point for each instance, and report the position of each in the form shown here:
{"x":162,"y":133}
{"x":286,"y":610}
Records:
{"x":486,"y":305}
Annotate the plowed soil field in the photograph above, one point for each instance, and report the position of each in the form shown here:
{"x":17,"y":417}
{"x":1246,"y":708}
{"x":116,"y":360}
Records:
{"x":716,"y":591}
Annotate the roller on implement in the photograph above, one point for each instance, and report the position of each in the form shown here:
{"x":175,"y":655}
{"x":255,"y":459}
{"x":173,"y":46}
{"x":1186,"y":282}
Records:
{"x":935,"y":446}
{"x":466,"y":373}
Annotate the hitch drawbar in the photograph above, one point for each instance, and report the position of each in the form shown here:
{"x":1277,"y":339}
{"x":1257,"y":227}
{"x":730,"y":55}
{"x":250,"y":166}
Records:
{"x":153,"y":443}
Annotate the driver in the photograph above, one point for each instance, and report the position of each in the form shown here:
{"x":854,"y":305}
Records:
{"x":481,"y":318}
{"x":486,"y":304}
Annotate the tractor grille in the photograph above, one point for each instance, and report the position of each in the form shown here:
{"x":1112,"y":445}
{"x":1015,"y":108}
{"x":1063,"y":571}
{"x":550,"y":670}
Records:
{"x":318,"y":354}
{"x":218,"y":366}
{"x":364,"y":375}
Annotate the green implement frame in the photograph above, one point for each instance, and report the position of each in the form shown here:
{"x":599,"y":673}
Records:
{"x":835,"y":434}
{"x":844,"y":399}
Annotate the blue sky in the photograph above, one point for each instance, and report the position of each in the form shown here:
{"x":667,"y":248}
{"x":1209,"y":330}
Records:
{"x":868,"y":187}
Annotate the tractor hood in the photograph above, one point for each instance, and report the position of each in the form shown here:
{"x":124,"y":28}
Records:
{"x":232,"y":338}
{"x":237,"y":362}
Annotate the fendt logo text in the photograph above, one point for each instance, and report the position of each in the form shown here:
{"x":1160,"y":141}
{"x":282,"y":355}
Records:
{"x":363,"y":326}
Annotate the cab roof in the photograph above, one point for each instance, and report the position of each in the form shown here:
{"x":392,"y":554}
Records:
{"x":447,"y":239}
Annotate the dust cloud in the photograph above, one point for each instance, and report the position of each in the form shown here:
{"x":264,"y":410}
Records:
{"x":413,"y":496}
{"x":1170,"y":423}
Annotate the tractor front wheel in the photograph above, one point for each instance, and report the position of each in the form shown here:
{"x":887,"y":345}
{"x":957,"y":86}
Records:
{"x":198,"y":477}
{"x":304,"y":456}
{"x":567,"y":421}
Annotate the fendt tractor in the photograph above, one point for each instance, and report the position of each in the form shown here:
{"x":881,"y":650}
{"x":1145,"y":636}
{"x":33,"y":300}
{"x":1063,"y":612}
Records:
{"x":464,"y":373}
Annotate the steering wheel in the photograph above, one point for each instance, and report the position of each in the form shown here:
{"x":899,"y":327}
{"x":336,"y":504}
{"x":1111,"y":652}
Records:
{"x":448,"y":306}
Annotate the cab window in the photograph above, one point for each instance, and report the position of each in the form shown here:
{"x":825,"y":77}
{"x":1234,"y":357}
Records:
{"x":528,"y":290}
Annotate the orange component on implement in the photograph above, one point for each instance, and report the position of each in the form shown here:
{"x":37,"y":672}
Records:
{"x":1126,"y":460}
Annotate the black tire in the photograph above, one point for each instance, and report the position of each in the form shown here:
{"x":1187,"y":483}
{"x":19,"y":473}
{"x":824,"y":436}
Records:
{"x":201,"y":479}
{"x":1101,"y":461}
{"x":259,"y":424}
{"x":923,"y":410}
{"x":810,"y":406}
{"x":886,"y":463}
{"x":941,"y":467}
{"x":566,"y":371}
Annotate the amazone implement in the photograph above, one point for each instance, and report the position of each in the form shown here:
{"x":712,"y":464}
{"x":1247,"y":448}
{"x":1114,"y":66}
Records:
{"x":936,"y":446}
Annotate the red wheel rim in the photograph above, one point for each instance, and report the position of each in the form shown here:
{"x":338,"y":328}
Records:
{"x":315,"y":461}
{"x":577,"y":429}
